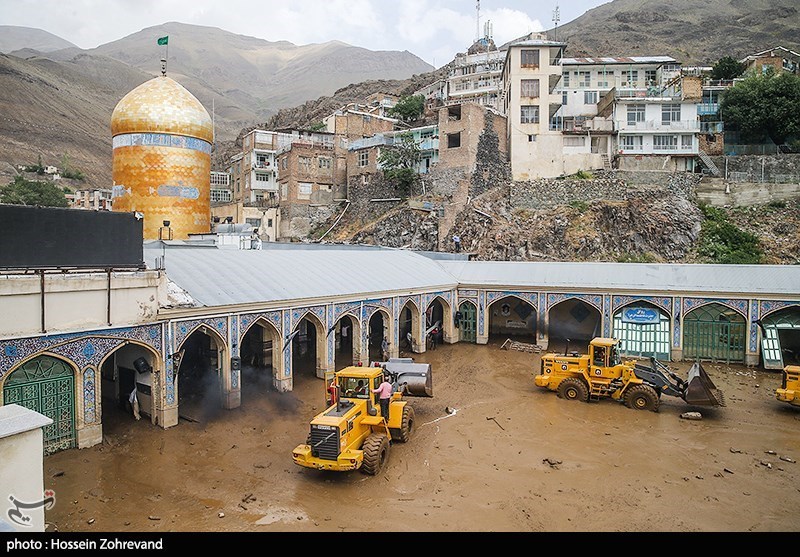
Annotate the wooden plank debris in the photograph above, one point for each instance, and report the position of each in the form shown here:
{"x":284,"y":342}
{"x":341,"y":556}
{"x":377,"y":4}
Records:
{"x":520,"y":346}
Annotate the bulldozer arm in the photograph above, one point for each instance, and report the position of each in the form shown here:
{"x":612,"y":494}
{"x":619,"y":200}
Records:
{"x":700,"y":389}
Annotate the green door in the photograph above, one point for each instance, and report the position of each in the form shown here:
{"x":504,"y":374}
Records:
{"x":714,"y":332}
{"x":467,"y":325}
{"x":46,"y":385}
{"x":645,"y":337}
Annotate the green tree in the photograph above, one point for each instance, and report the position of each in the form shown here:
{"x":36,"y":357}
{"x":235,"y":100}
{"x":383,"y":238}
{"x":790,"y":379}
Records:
{"x":26,"y":192}
{"x":399,"y":164}
{"x":409,"y":108}
{"x":722,"y":242}
{"x":727,"y":67}
{"x":764,"y":106}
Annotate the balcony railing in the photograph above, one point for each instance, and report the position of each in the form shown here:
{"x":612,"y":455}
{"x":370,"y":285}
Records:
{"x":704,"y":109}
{"x":658,"y":126}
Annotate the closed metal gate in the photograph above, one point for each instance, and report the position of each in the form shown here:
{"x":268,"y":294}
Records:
{"x":467,"y":325}
{"x":714,"y":333}
{"x":47,"y":385}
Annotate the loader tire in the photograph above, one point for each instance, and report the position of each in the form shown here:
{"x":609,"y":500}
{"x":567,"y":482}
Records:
{"x":573,"y":389}
{"x":376,"y":451}
{"x":403,"y":433}
{"x":642,"y":397}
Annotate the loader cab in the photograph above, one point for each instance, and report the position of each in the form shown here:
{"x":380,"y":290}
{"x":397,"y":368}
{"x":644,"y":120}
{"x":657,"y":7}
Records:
{"x":604,"y":357}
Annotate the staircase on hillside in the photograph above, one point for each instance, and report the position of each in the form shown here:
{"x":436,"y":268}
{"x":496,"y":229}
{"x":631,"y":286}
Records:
{"x":709,"y":163}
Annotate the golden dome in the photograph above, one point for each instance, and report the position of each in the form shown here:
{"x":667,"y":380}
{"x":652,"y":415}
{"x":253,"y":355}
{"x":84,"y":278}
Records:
{"x":162,"y":105}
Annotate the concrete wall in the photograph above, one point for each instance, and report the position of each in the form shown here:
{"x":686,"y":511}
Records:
{"x":719,"y":193}
{"x":758,"y":168}
{"x":22,"y":475}
{"x":77,"y":301}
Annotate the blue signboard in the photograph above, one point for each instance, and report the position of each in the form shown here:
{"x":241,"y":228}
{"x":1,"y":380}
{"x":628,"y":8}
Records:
{"x":643,"y":316}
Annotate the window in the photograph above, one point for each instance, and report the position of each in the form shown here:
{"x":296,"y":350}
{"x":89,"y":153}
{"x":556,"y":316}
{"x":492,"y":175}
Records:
{"x":630,"y":78}
{"x":631,"y":142}
{"x":635,"y":114}
{"x":304,"y":163}
{"x":574,"y":141}
{"x":529,"y":114}
{"x":260,"y":196}
{"x":453,"y":140}
{"x":221,"y":196}
{"x":531,"y":138}
{"x":262,"y":177}
{"x":565,"y":75}
{"x":284,"y":163}
{"x":584,"y":79}
{"x":670,"y":113}
{"x":564,"y":97}
{"x":304,"y":190}
{"x":324,"y":162}
{"x":529,"y":88}
{"x":665,"y":142}
{"x":530,"y":58}
{"x":262,"y":161}
{"x":604,"y":77}
{"x":650,"y":77}
{"x":255,"y":223}
{"x":269,"y":223}
{"x":687,"y":141}
{"x":590,"y":97}
{"x":363,"y":158}
{"x":285,"y":190}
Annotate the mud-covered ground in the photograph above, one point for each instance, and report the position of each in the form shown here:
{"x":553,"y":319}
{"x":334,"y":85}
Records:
{"x":510,"y":458}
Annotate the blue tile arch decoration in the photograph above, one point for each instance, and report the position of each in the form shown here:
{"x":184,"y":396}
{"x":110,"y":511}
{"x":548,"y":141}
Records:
{"x":530,"y":297}
{"x":298,"y":314}
{"x":738,"y":305}
{"x":89,"y":395}
{"x":14,"y":351}
{"x":287,"y":353}
{"x":607,"y":316}
{"x":595,"y":300}
{"x":169,"y":371}
{"x":185,"y":328}
{"x":331,"y":338}
{"x":247,"y":320}
{"x":765,"y":307}
{"x":662,"y":302}
{"x":676,"y":319}
{"x":349,"y":307}
{"x":481,"y":311}
{"x":471,"y":294}
{"x":752,"y":317}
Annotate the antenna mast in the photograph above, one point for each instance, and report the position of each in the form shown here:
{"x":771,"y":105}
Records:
{"x":478,"y":25}
{"x":556,"y":19}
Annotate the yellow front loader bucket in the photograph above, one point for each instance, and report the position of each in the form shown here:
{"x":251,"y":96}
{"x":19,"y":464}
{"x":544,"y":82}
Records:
{"x":700,"y":389}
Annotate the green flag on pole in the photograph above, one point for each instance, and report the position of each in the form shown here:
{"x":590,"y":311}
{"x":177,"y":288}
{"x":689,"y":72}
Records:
{"x":163,"y":41}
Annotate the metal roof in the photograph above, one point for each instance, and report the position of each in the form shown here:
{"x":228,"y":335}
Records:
{"x":779,"y":280}
{"x":607,"y":60}
{"x":219,"y":277}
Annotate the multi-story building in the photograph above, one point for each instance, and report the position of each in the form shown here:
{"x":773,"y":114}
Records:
{"x":531,"y":73}
{"x":476,"y":76}
{"x":780,"y":59}
{"x":306,"y":177}
{"x":461,"y":127}
{"x":95,"y":200}
{"x":660,"y":130}
{"x":363,"y":157}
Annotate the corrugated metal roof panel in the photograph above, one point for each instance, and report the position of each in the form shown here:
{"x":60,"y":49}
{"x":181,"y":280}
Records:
{"x":215,"y":277}
{"x":775,"y":280}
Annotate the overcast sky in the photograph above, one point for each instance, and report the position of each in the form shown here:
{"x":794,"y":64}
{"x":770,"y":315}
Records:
{"x":434,"y":30}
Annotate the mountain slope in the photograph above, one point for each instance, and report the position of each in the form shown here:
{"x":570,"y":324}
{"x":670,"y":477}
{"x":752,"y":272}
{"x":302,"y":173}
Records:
{"x":17,"y":38}
{"x":691,"y":31}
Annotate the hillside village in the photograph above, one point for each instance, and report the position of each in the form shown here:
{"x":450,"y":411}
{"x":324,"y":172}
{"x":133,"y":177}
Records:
{"x":525,"y":155}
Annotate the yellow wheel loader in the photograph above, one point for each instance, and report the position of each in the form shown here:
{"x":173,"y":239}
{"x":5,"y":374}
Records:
{"x":602,"y":374}
{"x":351,"y":433}
{"x":790,"y":386}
